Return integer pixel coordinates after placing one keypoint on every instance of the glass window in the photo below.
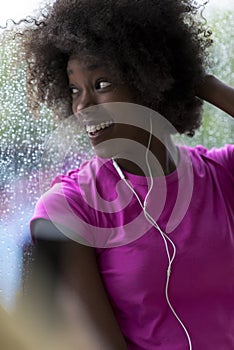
(22, 139)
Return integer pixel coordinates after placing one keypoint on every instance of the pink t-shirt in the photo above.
(194, 206)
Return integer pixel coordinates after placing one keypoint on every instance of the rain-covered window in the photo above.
(22, 140)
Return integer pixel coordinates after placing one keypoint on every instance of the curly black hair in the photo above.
(158, 47)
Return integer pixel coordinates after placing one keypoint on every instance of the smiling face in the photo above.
(94, 85)
(114, 130)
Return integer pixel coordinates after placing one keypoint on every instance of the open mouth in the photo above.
(95, 130)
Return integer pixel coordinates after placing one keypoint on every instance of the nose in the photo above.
(85, 100)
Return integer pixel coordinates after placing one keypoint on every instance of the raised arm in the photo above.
(75, 294)
(218, 94)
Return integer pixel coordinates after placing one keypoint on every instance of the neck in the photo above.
(162, 159)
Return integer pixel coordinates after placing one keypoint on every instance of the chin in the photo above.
(108, 148)
(101, 152)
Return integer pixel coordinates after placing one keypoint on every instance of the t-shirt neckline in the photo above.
(174, 176)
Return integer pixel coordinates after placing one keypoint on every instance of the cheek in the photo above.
(74, 106)
(126, 95)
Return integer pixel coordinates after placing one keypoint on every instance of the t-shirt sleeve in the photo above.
(223, 156)
(64, 206)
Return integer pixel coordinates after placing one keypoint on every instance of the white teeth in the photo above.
(94, 128)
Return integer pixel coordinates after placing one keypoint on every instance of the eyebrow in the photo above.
(90, 67)
(95, 66)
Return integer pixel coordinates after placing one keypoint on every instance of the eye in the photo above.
(102, 84)
(74, 90)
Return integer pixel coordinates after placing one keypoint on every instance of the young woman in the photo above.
(150, 253)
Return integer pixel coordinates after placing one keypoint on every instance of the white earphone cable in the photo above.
(155, 224)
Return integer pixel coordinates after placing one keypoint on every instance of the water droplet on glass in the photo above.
(22, 143)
